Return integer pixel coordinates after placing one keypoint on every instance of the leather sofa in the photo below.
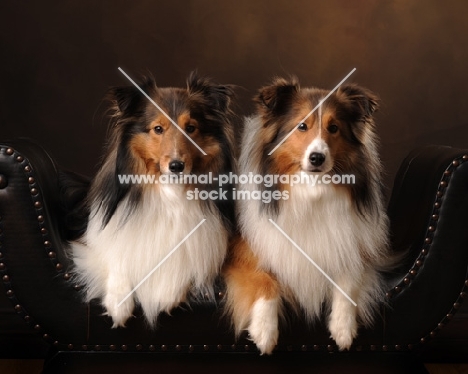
(46, 316)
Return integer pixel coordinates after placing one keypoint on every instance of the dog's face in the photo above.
(163, 147)
(155, 144)
(325, 141)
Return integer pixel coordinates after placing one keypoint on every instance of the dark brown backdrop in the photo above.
(59, 57)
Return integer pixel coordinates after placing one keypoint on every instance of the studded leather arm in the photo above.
(429, 220)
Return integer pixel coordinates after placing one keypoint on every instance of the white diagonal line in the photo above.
(163, 112)
(162, 262)
(312, 111)
(313, 262)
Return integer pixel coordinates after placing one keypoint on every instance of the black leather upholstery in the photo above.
(429, 220)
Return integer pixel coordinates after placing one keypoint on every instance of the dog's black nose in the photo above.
(316, 158)
(176, 166)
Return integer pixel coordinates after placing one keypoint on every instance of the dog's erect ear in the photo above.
(216, 95)
(363, 102)
(276, 97)
(128, 99)
(360, 104)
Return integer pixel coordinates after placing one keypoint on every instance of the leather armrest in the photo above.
(428, 211)
(33, 261)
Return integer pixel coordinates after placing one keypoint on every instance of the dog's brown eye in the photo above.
(190, 129)
(302, 127)
(332, 129)
(158, 130)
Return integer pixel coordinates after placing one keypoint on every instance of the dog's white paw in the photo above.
(119, 313)
(263, 328)
(343, 330)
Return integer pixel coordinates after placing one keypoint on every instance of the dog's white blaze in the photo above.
(320, 119)
(127, 250)
(318, 145)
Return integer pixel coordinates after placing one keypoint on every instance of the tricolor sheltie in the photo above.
(133, 227)
(341, 227)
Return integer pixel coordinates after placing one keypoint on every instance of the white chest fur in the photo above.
(129, 249)
(322, 221)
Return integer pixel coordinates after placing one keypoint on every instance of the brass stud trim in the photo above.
(9, 151)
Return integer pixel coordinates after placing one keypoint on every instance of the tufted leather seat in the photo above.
(428, 210)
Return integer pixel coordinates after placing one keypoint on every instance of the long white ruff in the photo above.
(113, 260)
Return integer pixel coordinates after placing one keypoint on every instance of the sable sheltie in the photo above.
(133, 227)
(341, 227)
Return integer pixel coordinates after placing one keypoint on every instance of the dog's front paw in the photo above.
(119, 313)
(343, 332)
(263, 328)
